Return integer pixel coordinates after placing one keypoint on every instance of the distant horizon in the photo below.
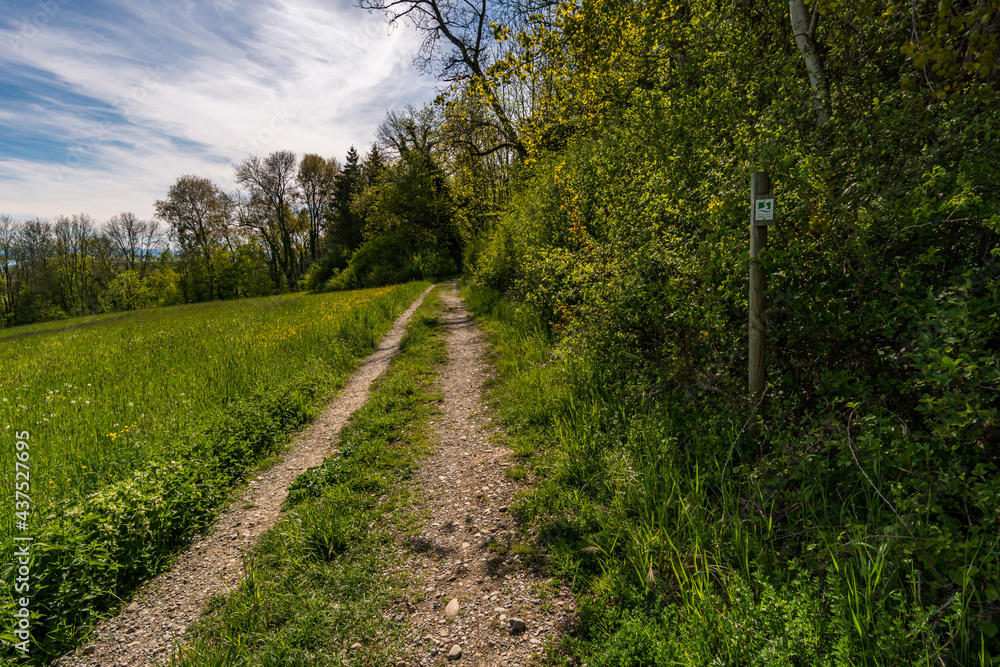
(104, 104)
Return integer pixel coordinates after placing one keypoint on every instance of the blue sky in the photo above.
(103, 104)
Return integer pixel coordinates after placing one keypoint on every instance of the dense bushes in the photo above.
(410, 228)
(682, 552)
(392, 259)
(876, 465)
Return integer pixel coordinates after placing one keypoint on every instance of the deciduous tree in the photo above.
(317, 181)
(198, 213)
(271, 184)
(134, 242)
(459, 46)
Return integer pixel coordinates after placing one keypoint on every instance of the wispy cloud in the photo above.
(103, 104)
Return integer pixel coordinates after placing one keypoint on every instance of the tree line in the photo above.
(202, 244)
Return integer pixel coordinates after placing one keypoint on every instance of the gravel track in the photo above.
(463, 551)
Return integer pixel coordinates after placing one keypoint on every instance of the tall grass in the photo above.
(676, 562)
(100, 397)
(141, 423)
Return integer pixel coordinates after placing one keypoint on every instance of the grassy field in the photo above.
(139, 425)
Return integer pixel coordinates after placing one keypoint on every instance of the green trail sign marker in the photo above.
(763, 211)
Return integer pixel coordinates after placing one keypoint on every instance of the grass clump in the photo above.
(320, 580)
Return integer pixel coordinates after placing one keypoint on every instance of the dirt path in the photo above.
(147, 632)
(463, 550)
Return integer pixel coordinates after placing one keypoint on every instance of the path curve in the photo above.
(148, 631)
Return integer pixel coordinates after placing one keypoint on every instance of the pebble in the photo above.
(355, 646)
(452, 609)
(516, 624)
(455, 653)
(88, 650)
(132, 607)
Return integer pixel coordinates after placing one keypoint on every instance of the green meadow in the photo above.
(141, 423)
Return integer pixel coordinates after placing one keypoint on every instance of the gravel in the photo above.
(466, 495)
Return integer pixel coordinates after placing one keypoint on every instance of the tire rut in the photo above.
(465, 550)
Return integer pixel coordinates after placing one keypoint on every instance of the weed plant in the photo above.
(681, 562)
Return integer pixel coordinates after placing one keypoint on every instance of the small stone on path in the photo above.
(455, 653)
(516, 624)
(452, 609)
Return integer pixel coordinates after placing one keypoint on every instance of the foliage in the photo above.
(317, 180)
(953, 48)
(126, 292)
(880, 418)
(347, 224)
(411, 197)
(411, 232)
(272, 192)
(673, 560)
(875, 471)
(216, 245)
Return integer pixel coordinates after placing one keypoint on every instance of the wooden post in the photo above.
(759, 186)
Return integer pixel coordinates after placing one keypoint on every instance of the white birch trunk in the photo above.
(804, 29)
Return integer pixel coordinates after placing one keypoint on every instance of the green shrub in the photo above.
(685, 548)
(126, 292)
(392, 259)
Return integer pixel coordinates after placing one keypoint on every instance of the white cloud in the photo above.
(201, 87)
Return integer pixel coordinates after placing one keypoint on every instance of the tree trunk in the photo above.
(804, 30)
